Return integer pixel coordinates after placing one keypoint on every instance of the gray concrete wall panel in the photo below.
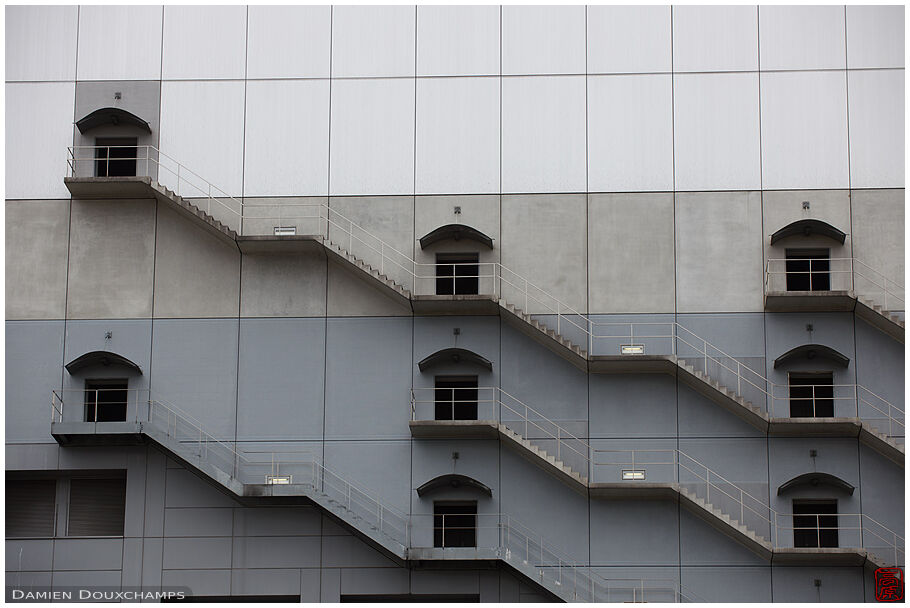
(36, 267)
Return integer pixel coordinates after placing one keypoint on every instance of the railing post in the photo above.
(177, 187)
(96, 406)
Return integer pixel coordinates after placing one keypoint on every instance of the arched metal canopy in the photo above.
(454, 355)
(455, 232)
(812, 351)
(808, 228)
(100, 357)
(111, 116)
(816, 479)
(453, 480)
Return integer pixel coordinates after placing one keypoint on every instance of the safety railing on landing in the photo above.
(834, 274)
(490, 278)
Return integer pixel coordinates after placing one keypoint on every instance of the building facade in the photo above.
(482, 303)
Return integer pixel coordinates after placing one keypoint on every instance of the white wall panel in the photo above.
(629, 39)
(715, 38)
(543, 134)
(202, 128)
(41, 42)
(373, 41)
(39, 127)
(876, 128)
(372, 137)
(543, 40)
(287, 138)
(717, 132)
(457, 135)
(630, 133)
(457, 40)
(802, 37)
(875, 36)
(204, 42)
(804, 130)
(120, 42)
(289, 41)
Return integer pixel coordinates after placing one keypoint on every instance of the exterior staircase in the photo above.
(737, 513)
(384, 267)
(280, 480)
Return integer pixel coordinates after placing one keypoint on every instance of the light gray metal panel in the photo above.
(633, 39)
(729, 583)
(27, 582)
(542, 379)
(41, 42)
(372, 402)
(38, 130)
(458, 40)
(196, 273)
(204, 42)
(715, 38)
(640, 532)
(194, 367)
(879, 364)
(281, 379)
(131, 571)
(289, 41)
(191, 521)
(34, 371)
(876, 35)
(276, 552)
(379, 468)
(199, 582)
(135, 508)
(277, 521)
(187, 553)
(155, 484)
(434, 582)
(543, 39)
(388, 31)
(881, 482)
(88, 554)
(802, 37)
(330, 585)
(378, 581)
(87, 579)
(29, 554)
(152, 552)
(185, 489)
(134, 30)
(32, 456)
(534, 498)
(36, 258)
(632, 405)
(350, 552)
(310, 586)
(699, 416)
(814, 584)
(878, 231)
(265, 582)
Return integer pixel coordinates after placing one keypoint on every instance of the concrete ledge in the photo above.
(481, 304)
(835, 556)
(635, 490)
(304, 243)
(621, 364)
(816, 301)
(97, 433)
(816, 427)
(454, 428)
(109, 187)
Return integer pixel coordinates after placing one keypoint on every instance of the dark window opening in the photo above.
(105, 400)
(812, 395)
(456, 273)
(30, 508)
(456, 397)
(808, 270)
(97, 507)
(815, 523)
(115, 156)
(455, 524)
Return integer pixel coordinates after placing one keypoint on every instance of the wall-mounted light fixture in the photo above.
(633, 474)
(285, 230)
(278, 480)
(806, 205)
(632, 349)
(118, 95)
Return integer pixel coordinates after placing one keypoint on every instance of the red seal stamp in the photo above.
(889, 585)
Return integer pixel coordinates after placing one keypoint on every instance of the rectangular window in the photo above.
(812, 395)
(105, 400)
(97, 507)
(115, 156)
(815, 523)
(456, 273)
(808, 270)
(456, 397)
(30, 508)
(455, 524)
